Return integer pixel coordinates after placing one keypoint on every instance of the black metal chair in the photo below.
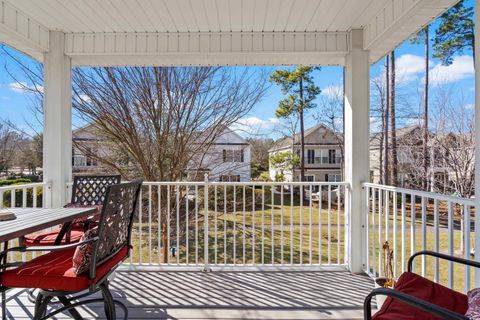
(87, 191)
(411, 302)
(53, 272)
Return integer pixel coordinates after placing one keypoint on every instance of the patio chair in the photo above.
(74, 268)
(416, 297)
(87, 191)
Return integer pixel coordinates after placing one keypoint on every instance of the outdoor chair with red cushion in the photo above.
(77, 267)
(87, 192)
(415, 297)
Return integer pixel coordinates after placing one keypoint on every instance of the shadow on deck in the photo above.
(227, 295)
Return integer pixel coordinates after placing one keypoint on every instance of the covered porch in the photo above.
(321, 265)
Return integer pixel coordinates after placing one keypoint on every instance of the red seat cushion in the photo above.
(54, 271)
(47, 238)
(417, 286)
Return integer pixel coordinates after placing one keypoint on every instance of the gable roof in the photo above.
(287, 141)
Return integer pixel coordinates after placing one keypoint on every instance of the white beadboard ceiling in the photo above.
(200, 15)
(213, 32)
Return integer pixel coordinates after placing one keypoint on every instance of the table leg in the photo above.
(4, 295)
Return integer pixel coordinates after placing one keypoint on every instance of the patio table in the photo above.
(31, 220)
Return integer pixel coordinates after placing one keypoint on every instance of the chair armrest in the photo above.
(411, 301)
(467, 262)
(47, 248)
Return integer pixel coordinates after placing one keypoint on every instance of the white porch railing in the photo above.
(226, 224)
(30, 195)
(414, 220)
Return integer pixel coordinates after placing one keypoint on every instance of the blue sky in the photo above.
(15, 105)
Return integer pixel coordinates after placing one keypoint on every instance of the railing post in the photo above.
(206, 267)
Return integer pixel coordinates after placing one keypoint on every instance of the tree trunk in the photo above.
(302, 135)
(394, 160)
(425, 113)
(385, 119)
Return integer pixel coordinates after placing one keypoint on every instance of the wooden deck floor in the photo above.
(227, 295)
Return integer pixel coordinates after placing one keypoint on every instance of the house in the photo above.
(323, 155)
(227, 159)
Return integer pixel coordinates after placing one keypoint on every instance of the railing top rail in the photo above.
(252, 183)
(21, 186)
(426, 194)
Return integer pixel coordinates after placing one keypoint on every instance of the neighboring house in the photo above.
(86, 149)
(228, 158)
(323, 155)
(410, 159)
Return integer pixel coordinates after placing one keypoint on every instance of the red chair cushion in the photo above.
(54, 271)
(417, 286)
(48, 238)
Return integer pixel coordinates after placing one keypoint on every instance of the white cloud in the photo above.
(255, 126)
(332, 91)
(84, 98)
(22, 87)
(461, 68)
(408, 67)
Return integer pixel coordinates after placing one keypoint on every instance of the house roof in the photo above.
(287, 141)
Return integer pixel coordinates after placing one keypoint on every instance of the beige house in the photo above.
(323, 155)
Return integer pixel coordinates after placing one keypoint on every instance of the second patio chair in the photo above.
(87, 191)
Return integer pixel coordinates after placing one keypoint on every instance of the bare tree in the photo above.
(330, 113)
(8, 147)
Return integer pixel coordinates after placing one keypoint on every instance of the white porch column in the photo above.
(57, 134)
(477, 143)
(357, 125)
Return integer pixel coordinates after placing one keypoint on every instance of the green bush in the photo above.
(10, 182)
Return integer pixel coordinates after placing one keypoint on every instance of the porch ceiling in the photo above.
(186, 32)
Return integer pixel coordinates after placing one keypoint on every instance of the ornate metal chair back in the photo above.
(116, 220)
(91, 190)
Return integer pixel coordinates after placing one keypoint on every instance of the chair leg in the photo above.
(41, 305)
(73, 312)
(109, 302)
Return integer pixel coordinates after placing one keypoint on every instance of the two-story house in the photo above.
(323, 155)
(227, 159)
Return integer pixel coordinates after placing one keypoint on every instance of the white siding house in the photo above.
(227, 159)
(323, 155)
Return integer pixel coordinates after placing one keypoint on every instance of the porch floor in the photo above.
(226, 295)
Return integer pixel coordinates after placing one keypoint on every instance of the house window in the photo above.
(331, 156)
(309, 178)
(333, 177)
(310, 156)
(230, 178)
(233, 155)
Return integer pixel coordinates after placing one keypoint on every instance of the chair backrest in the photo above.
(115, 224)
(91, 190)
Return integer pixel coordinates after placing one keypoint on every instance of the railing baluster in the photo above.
(225, 223)
(34, 197)
(310, 227)
(281, 224)
(387, 215)
(395, 235)
(234, 225)
(159, 218)
(424, 234)
(215, 217)
(436, 239)
(466, 245)
(292, 227)
(380, 243)
(24, 197)
(140, 227)
(413, 222)
(450, 243)
(374, 229)
(177, 223)
(168, 225)
(244, 226)
(272, 221)
(329, 221)
(338, 224)
(320, 196)
(187, 214)
(367, 228)
(150, 224)
(404, 249)
(263, 224)
(253, 225)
